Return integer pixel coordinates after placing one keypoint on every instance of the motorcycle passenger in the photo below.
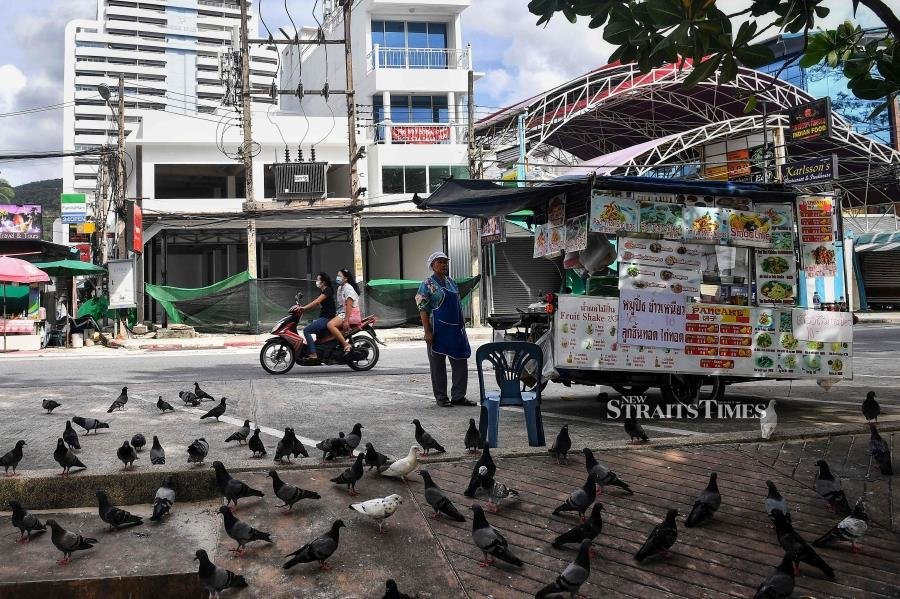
(347, 304)
(327, 311)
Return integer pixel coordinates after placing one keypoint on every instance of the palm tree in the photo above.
(7, 192)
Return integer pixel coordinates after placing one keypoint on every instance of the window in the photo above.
(415, 179)
(392, 179)
(418, 179)
(436, 176)
(410, 44)
(413, 109)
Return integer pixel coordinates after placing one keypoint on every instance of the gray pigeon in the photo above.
(489, 540)
(661, 538)
(288, 493)
(285, 447)
(68, 542)
(127, 455)
(201, 394)
(233, 489)
(65, 458)
(586, 531)
(472, 439)
(797, 547)
(351, 475)
(298, 449)
(157, 453)
(571, 579)
(438, 500)
(851, 528)
(189, 398)
(562, 445)
(580, 499)
(26, 522)
(216, 578)
(50, 405)
(477, 481)
(216, 411)
(12, 458)
(334, 447)
(374, 459)
(635, 431)
(775, 502)
(605, 476)
(779, 584)
(241, 532)
(355, 436)
(241, 434)
(880, 451)
(706, 505)
(830, 489)
(425, 440)
(318, 550)
(256, 445)
(70, 436)
(498, 493)
(89, 424)
(164, 499)
(116, 517)
(119, 402)
(138, 441)
(197, 451)
(164, 405)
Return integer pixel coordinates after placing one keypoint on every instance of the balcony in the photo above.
(419, 58)
(419, 133)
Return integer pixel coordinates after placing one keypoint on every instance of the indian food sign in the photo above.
(810, 121)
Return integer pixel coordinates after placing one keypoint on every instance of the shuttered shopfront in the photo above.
(518, 279)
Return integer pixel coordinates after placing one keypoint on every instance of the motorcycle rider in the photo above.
(327, 311)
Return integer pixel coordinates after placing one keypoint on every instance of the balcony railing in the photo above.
(419, 58)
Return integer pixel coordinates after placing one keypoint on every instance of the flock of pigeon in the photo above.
(489, 540)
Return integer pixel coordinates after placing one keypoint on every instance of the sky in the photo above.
(518, 60)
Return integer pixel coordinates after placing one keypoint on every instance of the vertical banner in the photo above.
(576, 233)
(817, 236)
(493, 230)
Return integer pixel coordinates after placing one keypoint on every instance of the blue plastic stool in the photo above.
(510, 360)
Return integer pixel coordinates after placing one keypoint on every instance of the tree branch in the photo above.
(884, 12)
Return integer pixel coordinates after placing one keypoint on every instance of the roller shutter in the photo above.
(519, 278)
(881, 276)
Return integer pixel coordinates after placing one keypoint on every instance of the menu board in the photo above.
(817, 236)
(753, 229)
(611, 214)
(651, 319)
(635, 276)
(718, 339)
(823, 325)
(576, 233)
(782, 219)
(705, 225)
(663, 253)
(662, 219)
(541, 240)
(776, 277)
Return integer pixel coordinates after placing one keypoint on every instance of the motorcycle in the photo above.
(279, 354)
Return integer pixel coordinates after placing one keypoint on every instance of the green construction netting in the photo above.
(98, 307)
(393, 301)
(168, 296)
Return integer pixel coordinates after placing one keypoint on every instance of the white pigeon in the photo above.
(768, 421)
(403, 466)
(379, 509)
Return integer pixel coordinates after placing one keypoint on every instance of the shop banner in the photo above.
(776, 277)
(73, 208)
(420, 133)
(809, 121)
(823, 326)
(610, 214)
(651, 319)
(662, 219)
(718, 339)
(662, 253)
(576, 233)
(749, 229)
(817, 236)
(638, 277)
(816, 170)
(541, 240)
(705, 225)
(20, 221)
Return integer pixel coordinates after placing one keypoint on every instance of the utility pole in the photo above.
(121, 249)
(474, 229)
(353, 153)
(246, 147)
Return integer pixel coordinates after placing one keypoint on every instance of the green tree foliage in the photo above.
(7, 192)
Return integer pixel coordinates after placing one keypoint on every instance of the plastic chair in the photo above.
(510, 360)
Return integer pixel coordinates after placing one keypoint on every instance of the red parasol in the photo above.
(13, 270)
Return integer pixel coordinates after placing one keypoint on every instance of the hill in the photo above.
(46, 193)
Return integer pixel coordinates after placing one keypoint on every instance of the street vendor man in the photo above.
(440, 308)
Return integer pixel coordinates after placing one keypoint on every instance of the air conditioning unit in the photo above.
(300, 180)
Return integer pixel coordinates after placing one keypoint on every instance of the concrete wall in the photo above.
(416, 249)
(384, 258)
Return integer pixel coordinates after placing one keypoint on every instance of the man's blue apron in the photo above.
(448, 327)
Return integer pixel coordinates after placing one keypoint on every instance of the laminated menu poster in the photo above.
(718, 339)
(541, 240)
(662, 253)
(638, 277)
(610, 214)
(749, 229)
(576, 233)
(817, 253)
(557, 243)
(705, 225)
(651, 319)
(776, 277)
(662, 219)
(556, 211)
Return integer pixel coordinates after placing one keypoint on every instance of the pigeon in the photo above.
(355, 436)
(830, 489)
(779, 584)
(438, 500)
(318, 550)
(351, 476)
(334, 447)
(12, 458)
(870, 407)
(119, 403)
(768, 421)
(472, 440)
(374, 459)
(89, 424)
(138, 441)
(216, 578)
(298, 448)
(661, 538)
(797, 548)
(241, 434)
(562, 445)
(241, 532)
(284, 448)
(164, 500)
(164, 405)
(288, 493)
(498, 493)
(50, 405)
(880, 451)
(574, 575)
(189, 398)
(489, 540)
(197, 451)
(65, 458)
(157, 453)
(378, 509)
(68, 542)
(605, 476)
(400, 468)
(392, 592)
(580, 499)
(26, 523)
(775, 502)
(216, 411)
(70, 436)
(201, 394)
(116, 517)
(635, 431)
(851, 528)
(233, 489)
(477, 481)
(127, 455)
(706, 505)
(586, 531)
(425, 440)
(256, 445)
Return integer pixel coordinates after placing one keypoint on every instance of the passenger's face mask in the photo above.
(319, 284)
(339, 279)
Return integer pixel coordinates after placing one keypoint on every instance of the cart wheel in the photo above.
(630, 389)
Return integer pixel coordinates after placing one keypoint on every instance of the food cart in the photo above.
(704, 288)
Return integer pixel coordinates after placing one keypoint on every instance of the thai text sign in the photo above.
(422, 134)
(651, 319)
(823, 326)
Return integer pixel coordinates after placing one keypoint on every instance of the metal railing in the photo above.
(419, 58)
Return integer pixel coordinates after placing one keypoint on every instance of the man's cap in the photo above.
(436, 256)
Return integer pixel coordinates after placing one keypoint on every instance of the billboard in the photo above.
(809, 121)
(20, 221)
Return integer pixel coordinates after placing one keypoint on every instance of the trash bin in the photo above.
(77, 340)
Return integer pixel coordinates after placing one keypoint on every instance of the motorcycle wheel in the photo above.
(276, 357)
(364, 354)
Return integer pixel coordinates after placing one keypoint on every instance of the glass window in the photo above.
(436, 176)
(378, 33)
(394, 34)
(417, 35)
(392, 179)
(421, 111)
(437, 35)
(415, 179)
(459, 172)
(440, 111)
(400, 112)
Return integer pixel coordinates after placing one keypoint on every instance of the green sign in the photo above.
(73, 208)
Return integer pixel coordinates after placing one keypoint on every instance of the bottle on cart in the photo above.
(817, 301)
